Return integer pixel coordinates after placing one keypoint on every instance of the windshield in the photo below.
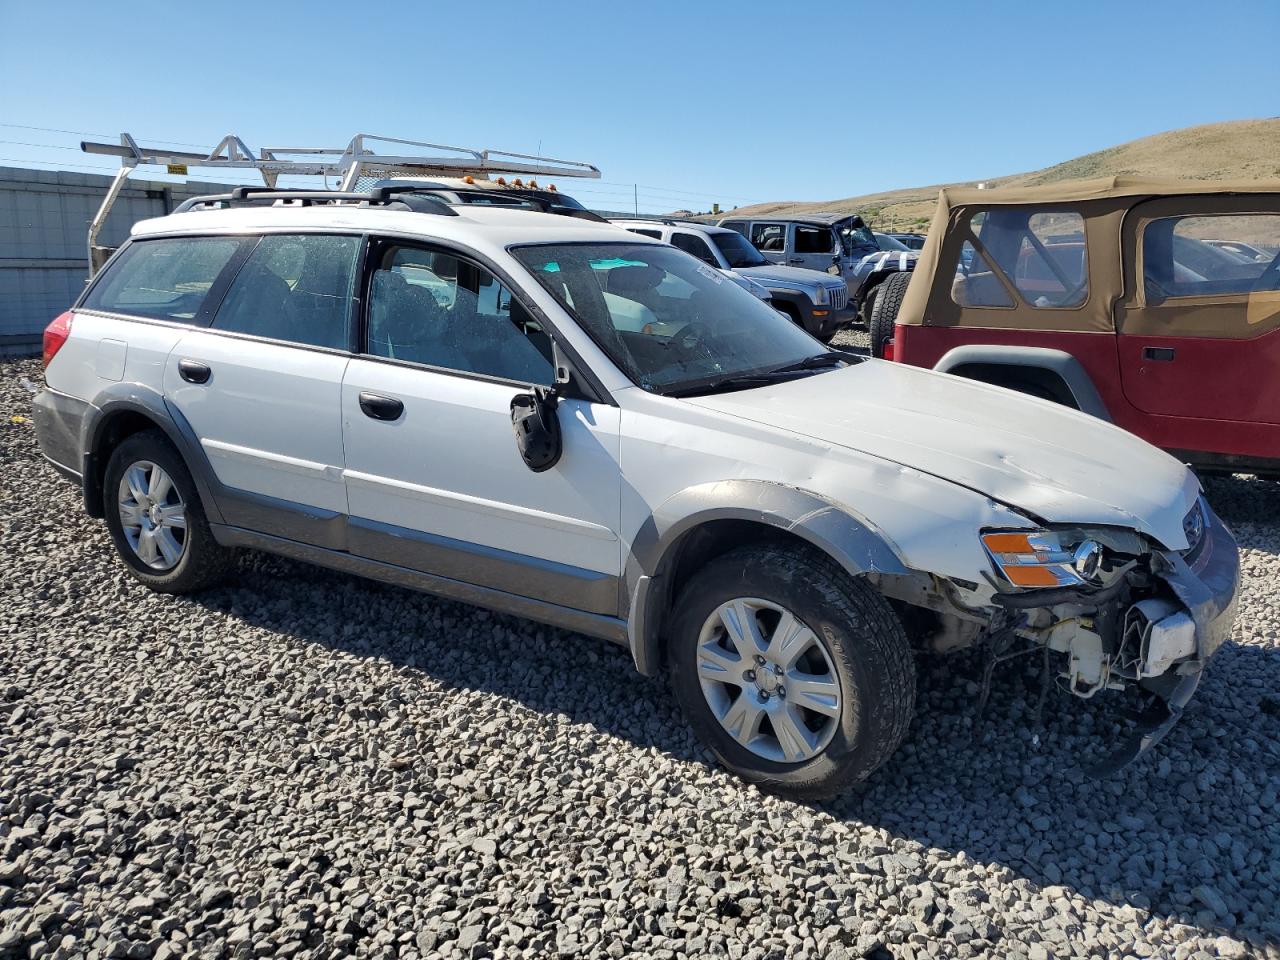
(887, 242)
(737, 251)
(669, 321)
(854, 237)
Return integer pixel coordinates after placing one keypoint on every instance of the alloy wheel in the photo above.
(152, 515)
(769, 680)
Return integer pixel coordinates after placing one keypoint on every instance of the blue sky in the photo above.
(696, 102)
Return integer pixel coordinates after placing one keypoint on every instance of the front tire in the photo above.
(156, 520)
(799, 677)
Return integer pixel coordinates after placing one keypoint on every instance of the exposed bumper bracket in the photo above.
(1153, 726)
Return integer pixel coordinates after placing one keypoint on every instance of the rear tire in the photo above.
(852, 689)
(156, 520)
(884, 312)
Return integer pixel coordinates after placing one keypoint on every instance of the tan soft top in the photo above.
(1104, 205)
(1101, 188)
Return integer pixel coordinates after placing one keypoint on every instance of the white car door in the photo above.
(262, 386)
(434, 479)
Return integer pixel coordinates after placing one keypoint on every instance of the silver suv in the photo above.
(816, 300)
(840, 244)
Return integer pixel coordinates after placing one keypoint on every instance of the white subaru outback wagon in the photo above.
(456, 399)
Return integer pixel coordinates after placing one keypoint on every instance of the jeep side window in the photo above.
(165, 279)
(1041, 254)
(694, 245)
(813, 240)
(769, 237)
(1178, 259)
(434, 308)
(295, 288)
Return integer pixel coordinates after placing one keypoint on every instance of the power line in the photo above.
(84, 133)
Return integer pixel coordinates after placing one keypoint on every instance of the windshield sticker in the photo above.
(711, 273)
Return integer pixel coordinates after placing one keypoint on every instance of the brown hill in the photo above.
(1236, 150)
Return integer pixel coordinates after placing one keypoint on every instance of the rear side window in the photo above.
(1211, 255)
(769, 237)
(294, 288)
(165, 279)
(1041, 254)
(655, 234)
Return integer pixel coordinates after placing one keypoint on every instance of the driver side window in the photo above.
(440, 310)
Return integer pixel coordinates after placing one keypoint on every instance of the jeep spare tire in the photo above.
(884, 313)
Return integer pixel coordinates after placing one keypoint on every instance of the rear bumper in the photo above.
(59, 420)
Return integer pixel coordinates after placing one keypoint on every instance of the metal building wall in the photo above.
(44, 221)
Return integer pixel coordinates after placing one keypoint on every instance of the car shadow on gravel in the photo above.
(1187, 833)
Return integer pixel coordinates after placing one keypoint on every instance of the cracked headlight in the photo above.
(1039, 558)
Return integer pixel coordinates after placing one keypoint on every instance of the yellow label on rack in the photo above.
(179, 168)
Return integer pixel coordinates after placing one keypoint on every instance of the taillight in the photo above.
(55, 335)
(888, 350)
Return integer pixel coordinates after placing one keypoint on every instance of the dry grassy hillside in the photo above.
(1238, 150)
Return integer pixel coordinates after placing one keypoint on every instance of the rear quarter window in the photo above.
(163, 279)
(1039, 253)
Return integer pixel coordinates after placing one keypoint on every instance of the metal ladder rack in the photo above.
(358, 159)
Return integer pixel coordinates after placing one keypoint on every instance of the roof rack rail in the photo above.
(380, 196)
(349, 164)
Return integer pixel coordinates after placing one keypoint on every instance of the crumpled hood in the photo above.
(789, 276)
(1038, 457)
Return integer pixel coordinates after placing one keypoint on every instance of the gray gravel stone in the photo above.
(303, 764)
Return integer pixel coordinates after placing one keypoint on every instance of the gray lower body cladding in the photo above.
(59, 420)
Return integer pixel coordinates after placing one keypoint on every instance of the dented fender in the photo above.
(853, 542)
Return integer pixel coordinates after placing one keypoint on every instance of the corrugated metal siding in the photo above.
(44, 223)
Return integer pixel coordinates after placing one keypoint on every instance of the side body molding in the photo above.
(851, 541)
(1059, 362)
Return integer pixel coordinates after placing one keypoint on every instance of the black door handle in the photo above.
(379, 407)
(193, 371)
(1157, 353)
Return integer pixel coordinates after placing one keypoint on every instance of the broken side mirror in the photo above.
(536, 423)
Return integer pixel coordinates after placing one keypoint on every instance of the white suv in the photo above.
(336, 378)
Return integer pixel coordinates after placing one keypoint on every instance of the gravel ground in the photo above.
(306, 764)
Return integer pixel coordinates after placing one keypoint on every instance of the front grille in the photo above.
(839, 297)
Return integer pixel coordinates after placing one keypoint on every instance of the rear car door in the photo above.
(435, 481)
(261, 386)
(1199, 325)
(770, 239)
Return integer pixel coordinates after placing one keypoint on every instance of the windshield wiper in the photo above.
(723, 385)
(819, 360)
(745, 380)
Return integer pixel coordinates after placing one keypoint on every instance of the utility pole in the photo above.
(635, 196)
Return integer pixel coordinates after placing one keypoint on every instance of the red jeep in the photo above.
(1153, 304)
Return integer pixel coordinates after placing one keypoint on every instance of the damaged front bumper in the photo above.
(1206, 584)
